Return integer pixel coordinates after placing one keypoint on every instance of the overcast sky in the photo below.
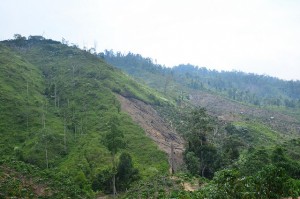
(259, 36)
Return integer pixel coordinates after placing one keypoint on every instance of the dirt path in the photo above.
(155, 127)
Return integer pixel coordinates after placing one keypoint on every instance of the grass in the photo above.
(260, 134)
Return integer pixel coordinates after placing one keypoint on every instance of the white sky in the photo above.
(260, 36)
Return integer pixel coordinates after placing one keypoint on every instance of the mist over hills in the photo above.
(240, 86)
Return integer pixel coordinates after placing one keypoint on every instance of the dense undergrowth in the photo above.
(56, 102)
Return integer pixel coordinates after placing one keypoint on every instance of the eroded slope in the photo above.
(155, 127)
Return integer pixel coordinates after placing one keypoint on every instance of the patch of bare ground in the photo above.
(227, 111)
(193, 185)
(292, 198)
(187, 186)
(102, 197)
(39, 189)
(156, 128)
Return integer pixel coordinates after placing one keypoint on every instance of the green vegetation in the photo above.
(22, 180)
(242, 163)
(113, 140)
(243, 87)
(201, 156)
(259, 101)
(126, 173)
(56, 104)
(254, 133)
(239, 153)
(63, 133)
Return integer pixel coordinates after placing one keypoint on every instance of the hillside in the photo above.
(56, 103)
(241, 130)
(244, 87)
(229, 96)
(71, 124)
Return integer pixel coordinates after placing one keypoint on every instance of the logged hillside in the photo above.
(255, 89)
(229, 96)
(56, 104)
(71, 125)
(246, 143)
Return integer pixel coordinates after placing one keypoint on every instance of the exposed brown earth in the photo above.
(155, 128)
(39, 190)
(187, 185)
(227, 110)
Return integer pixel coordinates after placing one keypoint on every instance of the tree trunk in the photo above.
(43, 121)
(27, 111)
(55, 95)
(114, 176)
(203, 170)
(114, 186)
(65, 136)
(172, 159)
(47, 163)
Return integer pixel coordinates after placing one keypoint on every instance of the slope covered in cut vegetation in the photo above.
(230, 96)
(243, 142)
(244, 87)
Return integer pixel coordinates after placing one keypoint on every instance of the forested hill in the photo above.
(244, 87)
(58, 105)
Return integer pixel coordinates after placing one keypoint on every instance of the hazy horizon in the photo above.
(260, 36)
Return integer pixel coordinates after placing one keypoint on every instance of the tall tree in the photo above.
(200, 125)
(114, 141)
(126, 171)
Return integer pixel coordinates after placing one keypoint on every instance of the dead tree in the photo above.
(65, 135)
(172, 159)
(27, 106)
(44, 139)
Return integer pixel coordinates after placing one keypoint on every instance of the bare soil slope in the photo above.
(228, 111)
(155, 127)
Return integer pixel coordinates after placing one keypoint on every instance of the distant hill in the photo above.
(244, 87)
(241, 130)
(230, 96)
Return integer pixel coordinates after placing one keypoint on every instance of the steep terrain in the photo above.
(63, 108)
(56, 102)
(246, 143)
(156, 128)
(244, 99)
